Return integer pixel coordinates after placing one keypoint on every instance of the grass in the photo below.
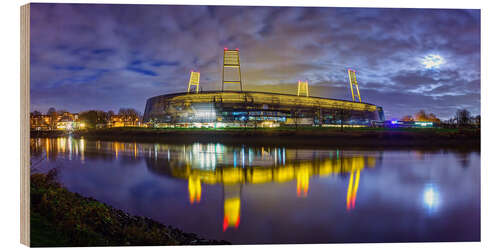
(301, 136)
(276, 130)
(46, 234)
(300, 131)
(291, 129)
(65, 219)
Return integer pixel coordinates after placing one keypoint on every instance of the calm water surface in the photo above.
(268, 194)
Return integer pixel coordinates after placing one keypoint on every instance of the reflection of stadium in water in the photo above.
(229, 166)
(275, 194)
(209, 164)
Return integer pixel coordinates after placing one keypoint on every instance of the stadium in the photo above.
(218, 109)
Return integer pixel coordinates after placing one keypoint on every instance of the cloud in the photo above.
(142, 71)
(139, 51)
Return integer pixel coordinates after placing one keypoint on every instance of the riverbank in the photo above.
(62, 218)
(349, 137)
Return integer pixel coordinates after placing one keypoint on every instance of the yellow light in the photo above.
(353, 81)
(194, 80)
(265, 98)
(232, 175)
(231, 61)
(303, 180)
(352, 190)
(194, 188)
(326, 168)
(259, 175)
(231, 213)
(284, 174)
(303, 88)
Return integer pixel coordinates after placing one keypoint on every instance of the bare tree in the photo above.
(432, 118)
(109, 115)
(407, 118)
(129, 115)
(52, 113)
(477, 121)
(463, 117)
(92, 118)
(421, 116)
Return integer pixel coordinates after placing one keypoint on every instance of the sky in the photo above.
(106, 57)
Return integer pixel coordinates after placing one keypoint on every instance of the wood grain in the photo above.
(25, 133)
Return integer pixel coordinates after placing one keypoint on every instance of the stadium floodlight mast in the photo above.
(231, 61)
(353, 81)
(303, 88)
(194, 80)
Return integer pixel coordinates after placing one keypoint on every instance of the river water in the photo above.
(267, 194)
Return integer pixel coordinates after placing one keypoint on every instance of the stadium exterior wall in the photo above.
(255, 109)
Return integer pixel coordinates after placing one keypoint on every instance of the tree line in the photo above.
(463, 118)
(92, 118)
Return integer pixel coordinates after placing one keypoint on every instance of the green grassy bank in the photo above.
(369, 137)
(62, 218)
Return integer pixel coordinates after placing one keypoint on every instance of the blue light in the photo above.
(284, 156)
(279, 155)
(234, 158)
(243, 158)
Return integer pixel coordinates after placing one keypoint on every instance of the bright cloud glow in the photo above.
(432, 61)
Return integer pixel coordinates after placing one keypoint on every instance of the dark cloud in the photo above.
(87, 56)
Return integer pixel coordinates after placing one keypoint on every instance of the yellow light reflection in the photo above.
(303, 180)
(284, 174)
(352, 190)
(194, 187)
(260, 175)
(232, 175)
(82, 149)
(115, 146)
(231, 213)
(47, 148)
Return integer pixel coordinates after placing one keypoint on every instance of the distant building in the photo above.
(40, 122)
(116, 121)
(70, 121)
(62, 121)
(67, 121)
(403, 124)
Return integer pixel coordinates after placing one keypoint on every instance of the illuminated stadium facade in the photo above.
(255, 109)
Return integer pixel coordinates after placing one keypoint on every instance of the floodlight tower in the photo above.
(303, 88)
(352, 80)
(231, 63)
(194, 80)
